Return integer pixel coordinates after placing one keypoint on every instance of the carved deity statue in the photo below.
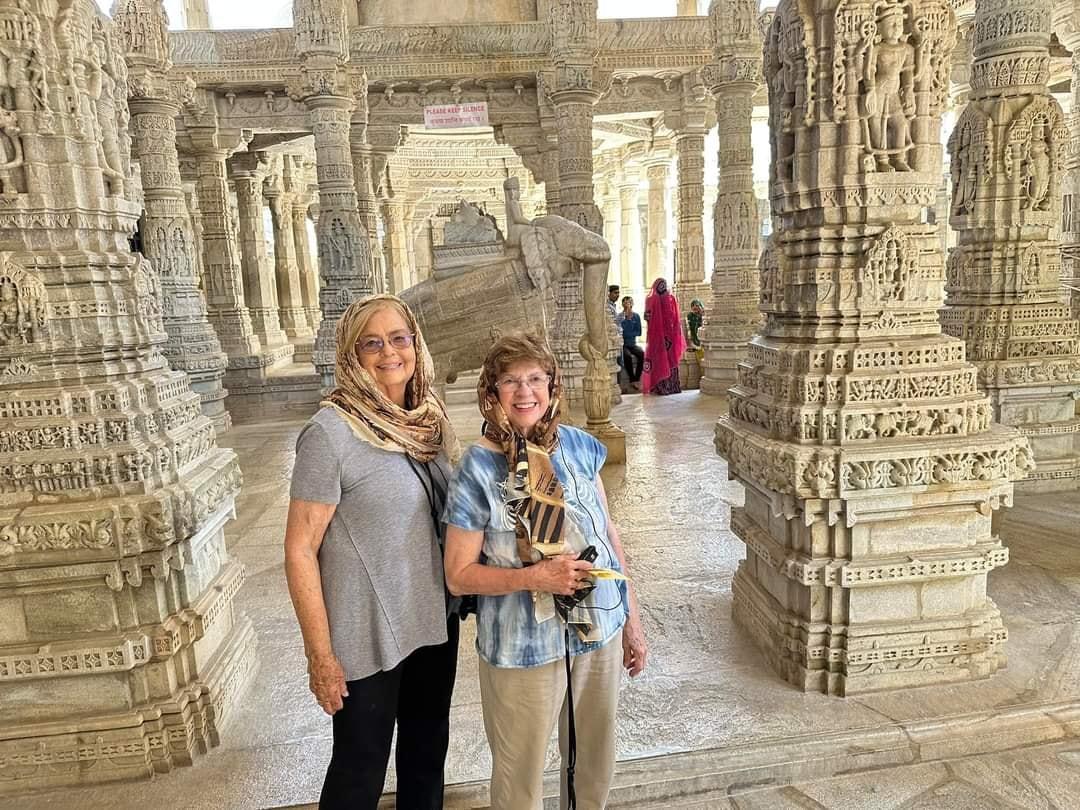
(889, 92)
(102, 87)
(19, 315)
(11, 152)
(1036, 170)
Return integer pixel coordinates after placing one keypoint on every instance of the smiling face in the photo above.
(391, 368)
(522, 404)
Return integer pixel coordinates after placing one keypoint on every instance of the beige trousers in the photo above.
(520, 709)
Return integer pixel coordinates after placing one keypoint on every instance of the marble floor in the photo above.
(708, 725)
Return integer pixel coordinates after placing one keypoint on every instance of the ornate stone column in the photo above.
(344, 252)
(397, 245)
(168, 239)
(631, 271)
(222, 276)
(612, 226)
(277, 190)
(122, 652)
(367, 206)
(309, 273)
(687, 8)
(734, 315)
(869, 457)
(1004, 276)
(570, 90)
(196, 14)
(1070, 221)
(248, 171)
(656, 262)
(692, 126)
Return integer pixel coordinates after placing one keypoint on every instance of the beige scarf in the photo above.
(422, 428)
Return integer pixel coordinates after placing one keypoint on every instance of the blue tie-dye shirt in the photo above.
(507, 633)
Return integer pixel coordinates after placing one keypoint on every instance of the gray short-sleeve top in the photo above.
(380, 563)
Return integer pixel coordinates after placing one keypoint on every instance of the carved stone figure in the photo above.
(889, 87)
(470, 225)
(11, 153)
(1036, 169)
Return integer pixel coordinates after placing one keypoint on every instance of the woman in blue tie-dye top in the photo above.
(523, 504)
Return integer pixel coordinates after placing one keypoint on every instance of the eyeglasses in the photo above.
(374, 345)
(537, 382)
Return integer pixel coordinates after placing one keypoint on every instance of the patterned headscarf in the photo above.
(533, 491)
(422, 428)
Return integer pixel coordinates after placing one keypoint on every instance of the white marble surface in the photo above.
(732, 725)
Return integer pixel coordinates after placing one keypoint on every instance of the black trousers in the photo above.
(416, 694)
(633, 361)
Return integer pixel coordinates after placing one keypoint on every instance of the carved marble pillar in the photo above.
(122, 653)
(1004, 276)
(309, 273)
(168, 238)
(687, 8)
(223, 281)
(367, 205)
(612, 227)
(572, 96)
(290, 295)
(734, 315)
(690, 255)
(248, 171)
(344, 251)
(869, 457)
(1070, 220)
(656, 262)
(397, 245)
(631, 271)
(196, 15)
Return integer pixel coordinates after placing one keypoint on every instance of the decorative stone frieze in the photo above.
(121, 640)
(734, 315)
(167, 235)
(1008, 163)
(325, 87)
(870, 462)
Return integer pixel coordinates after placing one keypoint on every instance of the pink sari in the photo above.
(665, 344)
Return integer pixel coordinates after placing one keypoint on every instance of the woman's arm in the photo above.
(635, 651)
(465, 574)
(304, 532)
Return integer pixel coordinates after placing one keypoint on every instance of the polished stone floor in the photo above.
(708, 725)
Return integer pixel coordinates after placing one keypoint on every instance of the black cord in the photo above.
(571, 748)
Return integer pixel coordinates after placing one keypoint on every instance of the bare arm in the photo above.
(465, 574)
(304, 533)
(635, 650)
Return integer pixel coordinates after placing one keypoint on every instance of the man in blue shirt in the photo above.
(633, 355)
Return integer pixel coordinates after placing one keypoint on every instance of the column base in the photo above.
(257, 366)
(1046, 416)
(613, 438)
(689, 371)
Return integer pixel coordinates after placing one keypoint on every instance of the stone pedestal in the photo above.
(122, 653)
(734, 313)
(870, 461)
(1004, 298)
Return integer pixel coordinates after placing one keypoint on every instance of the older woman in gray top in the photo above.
(364, 565)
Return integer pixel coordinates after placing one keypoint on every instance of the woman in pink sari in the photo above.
(665, 344)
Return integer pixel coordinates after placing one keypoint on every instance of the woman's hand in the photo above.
(326, 678)
(560, 575)
(635, 651)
